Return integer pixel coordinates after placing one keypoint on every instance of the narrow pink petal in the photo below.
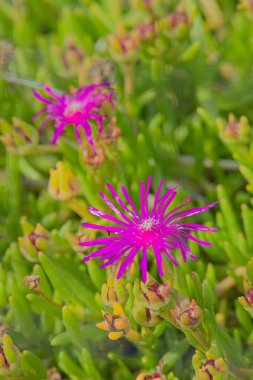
(142, 199)
(162, 209)
(202, 242)
(144, 264)
(59, 130)
(101, 214)
(88, 131)
(41, 98)
(157, 195)
(101, 241)
(102, 228)
(78, 136)
(194, 227)
(98, 119)
(99, 252)
(158, 257)
(120, 202)
(52, 93)
(114, 258)
(172, 259)
(129, 200)
(114, 208)
(37, 115)
(169, 215)
(146, 208)
(184, 214)
(130, 257)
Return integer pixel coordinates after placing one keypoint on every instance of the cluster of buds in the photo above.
(113, 291)
(9, 357)
(187, 314)
(209, 368)
(19, 137)
(63, 184)
(234, 130)
(117, 324)
(34, 240)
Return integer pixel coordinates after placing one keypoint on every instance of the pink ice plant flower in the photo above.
(138, 230)
(77, 109)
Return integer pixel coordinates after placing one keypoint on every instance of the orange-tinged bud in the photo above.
(35, 239)
(153, 295)
(188, 315)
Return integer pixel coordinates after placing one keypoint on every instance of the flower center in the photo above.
(148, 232)
(147, 224)
(73, 108)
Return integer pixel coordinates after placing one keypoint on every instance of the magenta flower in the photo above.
(137, 231)
(77, 109)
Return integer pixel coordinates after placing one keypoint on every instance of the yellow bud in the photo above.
(63, 184)
(102, 325)
(122, 324)
(115, 335)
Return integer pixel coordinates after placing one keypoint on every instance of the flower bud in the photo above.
(246, 5)
(63, 184)
(145, 31)
(189, 315)
(247, 301)
(76, 239)
(113, 291)
(19, 136)
(34, 240)
(110, 133)
(117, 324)
(32, 282)
(71, 58)
(144, 316)
(94, 158)
(249, 296)
(234, 130)
(3, 330)
(124, 46)
(53, 374)
(155, 376)
(9, 357)
(153, 295)
(177, 18)
(212, 370)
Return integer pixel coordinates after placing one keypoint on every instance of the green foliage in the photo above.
(184, 111)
